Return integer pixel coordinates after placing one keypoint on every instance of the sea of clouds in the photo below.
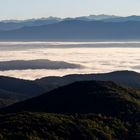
(31, 60)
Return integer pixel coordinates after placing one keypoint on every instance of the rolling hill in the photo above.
(8, 98)
(84, 97)
(82, 110)
(126, 78)
(93, 110)
(25, 87)
(13, 90)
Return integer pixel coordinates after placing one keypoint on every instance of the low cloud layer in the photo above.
(136, 67)
(36, 64)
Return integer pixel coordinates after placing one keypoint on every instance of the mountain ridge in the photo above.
(81, 110)
(76, 30)
(18, 89)
(83, 97)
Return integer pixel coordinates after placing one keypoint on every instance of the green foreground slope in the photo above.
(94, 110)
(44, 126)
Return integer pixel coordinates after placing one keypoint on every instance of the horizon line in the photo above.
(35, 18)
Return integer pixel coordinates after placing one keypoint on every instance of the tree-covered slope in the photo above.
(84, 97)
(8, 98)
(44, 126)
(13, 90)
(88, 110)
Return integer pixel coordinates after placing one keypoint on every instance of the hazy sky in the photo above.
(23, 9)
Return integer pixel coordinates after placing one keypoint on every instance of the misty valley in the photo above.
(69, 90)
(67, 76)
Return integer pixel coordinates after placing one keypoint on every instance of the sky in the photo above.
(26, 9)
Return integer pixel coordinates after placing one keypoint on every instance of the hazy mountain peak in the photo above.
(102, 17)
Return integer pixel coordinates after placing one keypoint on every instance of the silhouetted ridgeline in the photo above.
(84, 97)
(93, 110)
(126, 78)
(13, 90)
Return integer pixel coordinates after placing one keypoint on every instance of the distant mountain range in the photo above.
(76, 30)
(86, 28)
(16, 24)
(14, 90)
